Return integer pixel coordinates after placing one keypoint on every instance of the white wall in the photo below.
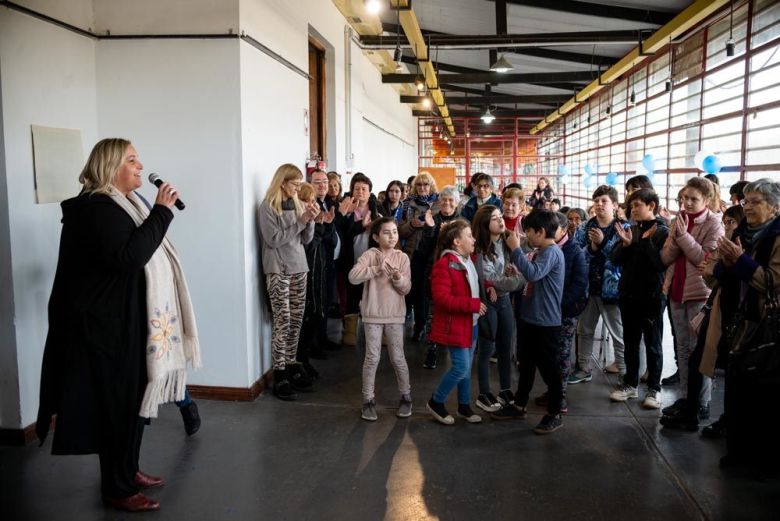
(272, 133)
(48, 78)
(178, 101)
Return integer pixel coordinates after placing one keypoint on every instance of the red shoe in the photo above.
(144, 480)
(136, 503)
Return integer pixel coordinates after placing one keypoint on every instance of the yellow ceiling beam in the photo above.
(681, 23)
(364, 23)
(420, 49)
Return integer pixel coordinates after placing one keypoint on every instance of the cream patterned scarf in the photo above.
(173, 335)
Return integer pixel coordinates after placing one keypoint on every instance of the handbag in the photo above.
(757, 357)
(704, 313)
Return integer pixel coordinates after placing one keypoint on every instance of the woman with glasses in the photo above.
(482, 193)
(416, 221)
(743, 261)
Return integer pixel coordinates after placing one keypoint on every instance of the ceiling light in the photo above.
(501, 65)
(397, 54)
(419, 82)
(373, 6)
(488, 116)
(730, 45)
(426, 102)
(632, 97)
(609, 109)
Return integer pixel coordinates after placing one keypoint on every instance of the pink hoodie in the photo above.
(383, 298)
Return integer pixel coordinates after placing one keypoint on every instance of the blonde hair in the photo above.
(274, 195)
(513, 193)
(306, 194)
(106, 157)
(424, 176)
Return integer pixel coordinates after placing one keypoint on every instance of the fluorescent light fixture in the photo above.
(501, 65)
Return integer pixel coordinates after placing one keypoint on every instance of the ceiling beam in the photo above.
(497, 77)
(600, 10)
(688, 18)
(492, 41)
(503, 98)
(528, 113)
(547, 54)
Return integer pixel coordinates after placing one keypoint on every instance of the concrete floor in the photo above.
(316, 459)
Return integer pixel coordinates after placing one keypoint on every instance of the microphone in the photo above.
(156, 180)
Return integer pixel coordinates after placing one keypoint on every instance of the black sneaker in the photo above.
(488, 403)
(439, 412)
(191, 418)
(311, 371)
(299, 379)
(283, 389)
(506, 397)
(671, 380)
(549, 424)
(676, 406)
(704, 412)
(431, 357)
(465, 412)
(716, 429)
(681, 420)
(509, 412)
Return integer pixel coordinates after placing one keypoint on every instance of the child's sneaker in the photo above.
(440, 412)
(622, 393)
(506, 397)
(488, 403)
(405, 406)
(369, 411)
(579, 376)
(465, 412)
(509, 412)
(431, 357)
(564, 406)
(651, 400)
(549, 424)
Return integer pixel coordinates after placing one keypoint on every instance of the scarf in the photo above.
(172, 334)
(511, 222)
(680, 268)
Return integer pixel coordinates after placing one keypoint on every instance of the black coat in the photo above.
(94, 365)
(643, 272)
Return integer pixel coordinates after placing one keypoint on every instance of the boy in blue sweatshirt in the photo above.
(539, 325)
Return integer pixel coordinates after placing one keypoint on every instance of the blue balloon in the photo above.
(648, 161)
(588, 181)
(711, 164)
(563, 170)
(588, 169)
(612, 178)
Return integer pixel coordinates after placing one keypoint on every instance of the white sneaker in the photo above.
(623, 393)
(651, 400)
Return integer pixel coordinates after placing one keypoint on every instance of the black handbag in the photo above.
(757, 357)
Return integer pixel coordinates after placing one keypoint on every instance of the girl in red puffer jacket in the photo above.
(456, 309)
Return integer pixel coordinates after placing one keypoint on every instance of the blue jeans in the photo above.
(459, 374)
(502, 322)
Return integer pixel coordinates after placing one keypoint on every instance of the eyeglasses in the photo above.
(752, 202)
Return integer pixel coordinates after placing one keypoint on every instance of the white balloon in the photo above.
(698, 159)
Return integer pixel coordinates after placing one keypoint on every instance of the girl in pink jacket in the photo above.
(385, 273)
(693, 235)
